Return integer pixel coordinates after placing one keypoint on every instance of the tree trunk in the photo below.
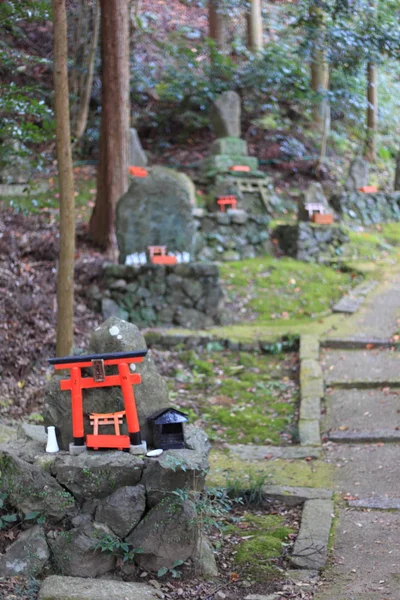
(112, 176)
(254, 26)
(65, 275)
(372, 112)
(397, 174)
(218, 26)
(319, 67)
(83, 109)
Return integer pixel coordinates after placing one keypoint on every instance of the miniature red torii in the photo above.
(125, 379)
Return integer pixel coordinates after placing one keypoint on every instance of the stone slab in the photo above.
(293, 496)
(377, 366)
(376, 503)
(311, 546)
(309, 432)
(352, 301)
(351, 343)
(77, 588)
(365, 412)
(366, 558)
(310, 408)
(364, 437)
(309, 346)
(250, 452)
(365, 470)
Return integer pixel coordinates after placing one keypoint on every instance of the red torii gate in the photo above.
(125, 379)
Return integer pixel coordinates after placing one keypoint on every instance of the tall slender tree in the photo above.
(65, 276)
(217, 23)
(254, 26)
(112, 176)
(319, 65)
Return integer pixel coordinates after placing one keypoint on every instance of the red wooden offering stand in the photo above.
(125, 379)
(226, 201)
(159, 256)
(138, 172)
(240, 168)
(368, 189)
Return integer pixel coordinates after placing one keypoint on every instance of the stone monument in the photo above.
(156, 211)
(137, 156)
(358, 174)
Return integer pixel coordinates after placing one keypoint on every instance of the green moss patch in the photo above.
(238, 397)
(264, 536)
(229, 471)
(284, 289)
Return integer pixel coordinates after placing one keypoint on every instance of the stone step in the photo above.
(376, 503)
(361, 368)
(352, 301)
(76, 588)
(362, 415)
(366, 558)
(352, 343)
(365, 470)
(364, 437)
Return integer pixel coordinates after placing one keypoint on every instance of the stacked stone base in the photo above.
(310, 242)
(94, 503)
(232, 235)
(366, 209)
(188, 295)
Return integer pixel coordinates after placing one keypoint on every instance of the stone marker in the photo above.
(77, 588)
(151, 395)
(156, 211)
(225, 115)
(137, 156)
(358, 174)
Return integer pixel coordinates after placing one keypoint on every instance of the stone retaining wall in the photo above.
(310, 242)
(232, 235)
(189, 295)
(366, 209)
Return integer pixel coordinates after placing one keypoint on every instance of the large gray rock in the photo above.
(75, 553)
(97, 475)
(30, 489)
(122, 511)
(174, 469)
(358, 174)
(26, 556)
(169, 532)
(151, 395)
(76, 588)
(225, 115)
(137, 156)
(156, 210)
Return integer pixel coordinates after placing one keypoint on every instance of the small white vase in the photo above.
(52, 445)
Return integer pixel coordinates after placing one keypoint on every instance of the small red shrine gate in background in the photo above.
(125, 379)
